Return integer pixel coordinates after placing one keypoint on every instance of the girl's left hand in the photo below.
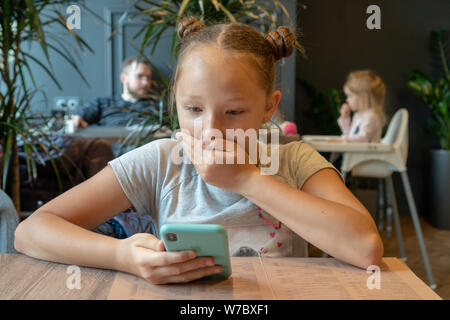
(217, 162)
(345, 110)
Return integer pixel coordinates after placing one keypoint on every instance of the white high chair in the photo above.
(376, 164)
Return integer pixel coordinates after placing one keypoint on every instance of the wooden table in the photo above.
(22, 277)
(115, 134)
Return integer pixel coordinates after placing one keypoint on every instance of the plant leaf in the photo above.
(182, 8)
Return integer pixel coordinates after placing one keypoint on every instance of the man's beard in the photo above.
(136, 94)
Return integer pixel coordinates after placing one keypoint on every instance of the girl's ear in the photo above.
(272, 105)
(172, 93)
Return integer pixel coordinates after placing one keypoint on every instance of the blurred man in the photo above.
(115, 111)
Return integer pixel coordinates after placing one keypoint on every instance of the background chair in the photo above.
(8, 223)
(376, 164)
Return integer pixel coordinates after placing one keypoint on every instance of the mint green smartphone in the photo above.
(208, 240)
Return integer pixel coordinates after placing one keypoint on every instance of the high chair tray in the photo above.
(320, 143)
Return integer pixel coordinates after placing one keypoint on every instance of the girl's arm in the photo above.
(59, 231)
(345, 124)
(324, 213)
(345, 121)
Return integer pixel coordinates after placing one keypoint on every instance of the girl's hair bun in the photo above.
(282, 42)
(188, 26)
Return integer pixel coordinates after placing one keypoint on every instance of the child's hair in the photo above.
(239, 38)
(371, 88)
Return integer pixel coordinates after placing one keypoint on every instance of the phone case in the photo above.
(208, 240)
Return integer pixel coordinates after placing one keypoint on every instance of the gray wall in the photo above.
(338, 41)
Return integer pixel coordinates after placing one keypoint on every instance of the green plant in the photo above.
(23, 23)
(436, 92)
(325, 106)
(162, 15)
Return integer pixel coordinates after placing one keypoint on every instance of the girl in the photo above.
(224, 80)
(365, 93)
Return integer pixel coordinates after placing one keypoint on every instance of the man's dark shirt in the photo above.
(116, 112)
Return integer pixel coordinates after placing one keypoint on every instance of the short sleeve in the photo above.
(138, 174)
(304, 161)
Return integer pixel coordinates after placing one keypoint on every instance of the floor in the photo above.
(437, 242)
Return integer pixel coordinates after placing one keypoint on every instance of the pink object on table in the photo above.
(289, 128)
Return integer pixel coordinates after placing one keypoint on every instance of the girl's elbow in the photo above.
(19, 235)
(23, 235)
(374, 252)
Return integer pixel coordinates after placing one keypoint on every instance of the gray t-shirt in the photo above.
(174, 192)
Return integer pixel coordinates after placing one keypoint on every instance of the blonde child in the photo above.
(224, 80)
(365, 93)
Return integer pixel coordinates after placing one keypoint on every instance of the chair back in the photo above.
(397, 133)
(381, 165)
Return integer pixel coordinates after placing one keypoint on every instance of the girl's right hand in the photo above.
(345, 110)
(144, 255)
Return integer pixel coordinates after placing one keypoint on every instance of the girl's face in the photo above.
(353, 100)
(220, 90)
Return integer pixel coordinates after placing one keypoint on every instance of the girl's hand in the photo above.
(220, 163)
(345, 110)
(144, 255)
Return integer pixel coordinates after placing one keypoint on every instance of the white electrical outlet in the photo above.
(67, 103)
(72, 103)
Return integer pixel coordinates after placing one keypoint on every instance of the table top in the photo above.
(116, 132)
(320, 143)
(253, 278)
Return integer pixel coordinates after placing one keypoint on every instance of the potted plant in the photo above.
(22, 23)
(163, 15)
(324, 108)
(436, 95)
